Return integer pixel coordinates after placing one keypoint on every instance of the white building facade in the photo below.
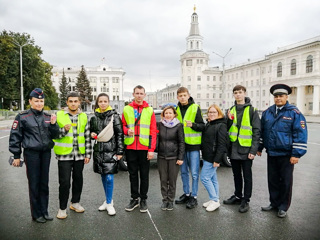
(102, 79)
(297, 65)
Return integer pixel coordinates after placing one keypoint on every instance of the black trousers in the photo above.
(65, 168)
(280, 180)
(244, 167)
(168, 172)
(37, 168)
(137, 162)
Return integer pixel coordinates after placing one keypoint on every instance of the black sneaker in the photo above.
(132, 205)
(143, 206)
(170, 206)
(182, 199)
(244, 207)
(164, 206)
(192, 202)
(232, 200)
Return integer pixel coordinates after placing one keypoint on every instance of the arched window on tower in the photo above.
(197, 45)
(293, 67)
(309, 64)
(191, 45)
(279, 70)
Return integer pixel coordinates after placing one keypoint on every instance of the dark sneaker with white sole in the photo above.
(132, 205)
(143, 205)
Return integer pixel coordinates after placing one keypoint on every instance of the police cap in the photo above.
(37, 93)
(279, 89)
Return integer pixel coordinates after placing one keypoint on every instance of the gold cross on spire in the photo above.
(194, 8)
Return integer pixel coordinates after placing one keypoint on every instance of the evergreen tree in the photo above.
(83, 88)
(64, 89)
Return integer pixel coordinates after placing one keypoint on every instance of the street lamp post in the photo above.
(223, 77)
(21, 76)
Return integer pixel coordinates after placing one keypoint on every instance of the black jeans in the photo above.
(244, 167)
(37, 167)
(280, 179)
(65, 168)
(137, 161)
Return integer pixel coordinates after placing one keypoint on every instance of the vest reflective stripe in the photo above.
(64, 145)
(244, 135)
(145, 121)
(190, 136)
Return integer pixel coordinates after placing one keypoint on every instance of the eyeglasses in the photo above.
(212, 112)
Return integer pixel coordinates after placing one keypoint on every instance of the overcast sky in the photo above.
(147, 37)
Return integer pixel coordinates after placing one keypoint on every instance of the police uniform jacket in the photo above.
(32, 130)
(285, 134)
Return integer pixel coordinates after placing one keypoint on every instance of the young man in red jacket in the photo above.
(139, 128)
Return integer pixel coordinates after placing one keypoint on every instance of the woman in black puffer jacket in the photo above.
(213, 147)
(106, 154)
(170, 154)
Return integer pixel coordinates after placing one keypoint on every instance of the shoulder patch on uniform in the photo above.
(24, 112)
(303, 124)
(15, 124)
(296, 110)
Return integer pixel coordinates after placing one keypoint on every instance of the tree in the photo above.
(64, 89)
(36, 72)
(84, 89)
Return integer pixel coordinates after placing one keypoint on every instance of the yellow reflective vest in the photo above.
(191, 136)
(145, 121)
(64, 146)
(244, 135)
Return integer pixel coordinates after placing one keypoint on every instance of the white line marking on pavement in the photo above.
(4, 136)
(314, 143)
(154, 225)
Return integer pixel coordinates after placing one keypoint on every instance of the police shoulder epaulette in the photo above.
(296, 110)
(24, 112)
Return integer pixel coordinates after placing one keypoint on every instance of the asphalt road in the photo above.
(302, 222)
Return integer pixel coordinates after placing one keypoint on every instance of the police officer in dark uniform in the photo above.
(284, 135)
(33, 130)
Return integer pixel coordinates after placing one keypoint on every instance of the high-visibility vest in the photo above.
(145, 121)
(64, 146)
(191, 136)
(244, 135)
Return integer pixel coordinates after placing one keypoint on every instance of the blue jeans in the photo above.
(191, 161)
(209, 179)
(107, 181)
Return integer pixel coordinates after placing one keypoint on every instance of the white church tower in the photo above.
(195, 73)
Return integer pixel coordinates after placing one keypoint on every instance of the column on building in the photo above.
(110, 93)
(301, 98)
(316, 93)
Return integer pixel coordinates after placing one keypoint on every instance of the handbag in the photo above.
(106, 134)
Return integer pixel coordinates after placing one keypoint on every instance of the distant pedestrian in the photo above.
(33, 130)
(108, 148)
(139, 127)
(189, 114)
(214, 148)
(244, 132)
(73, 150)
(284, 136)
(170, 154)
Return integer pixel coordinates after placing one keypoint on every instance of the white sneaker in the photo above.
(62, 214)
(213, 206)
(110, 209)
(76, 207)
(103, 207)
(206, 204)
